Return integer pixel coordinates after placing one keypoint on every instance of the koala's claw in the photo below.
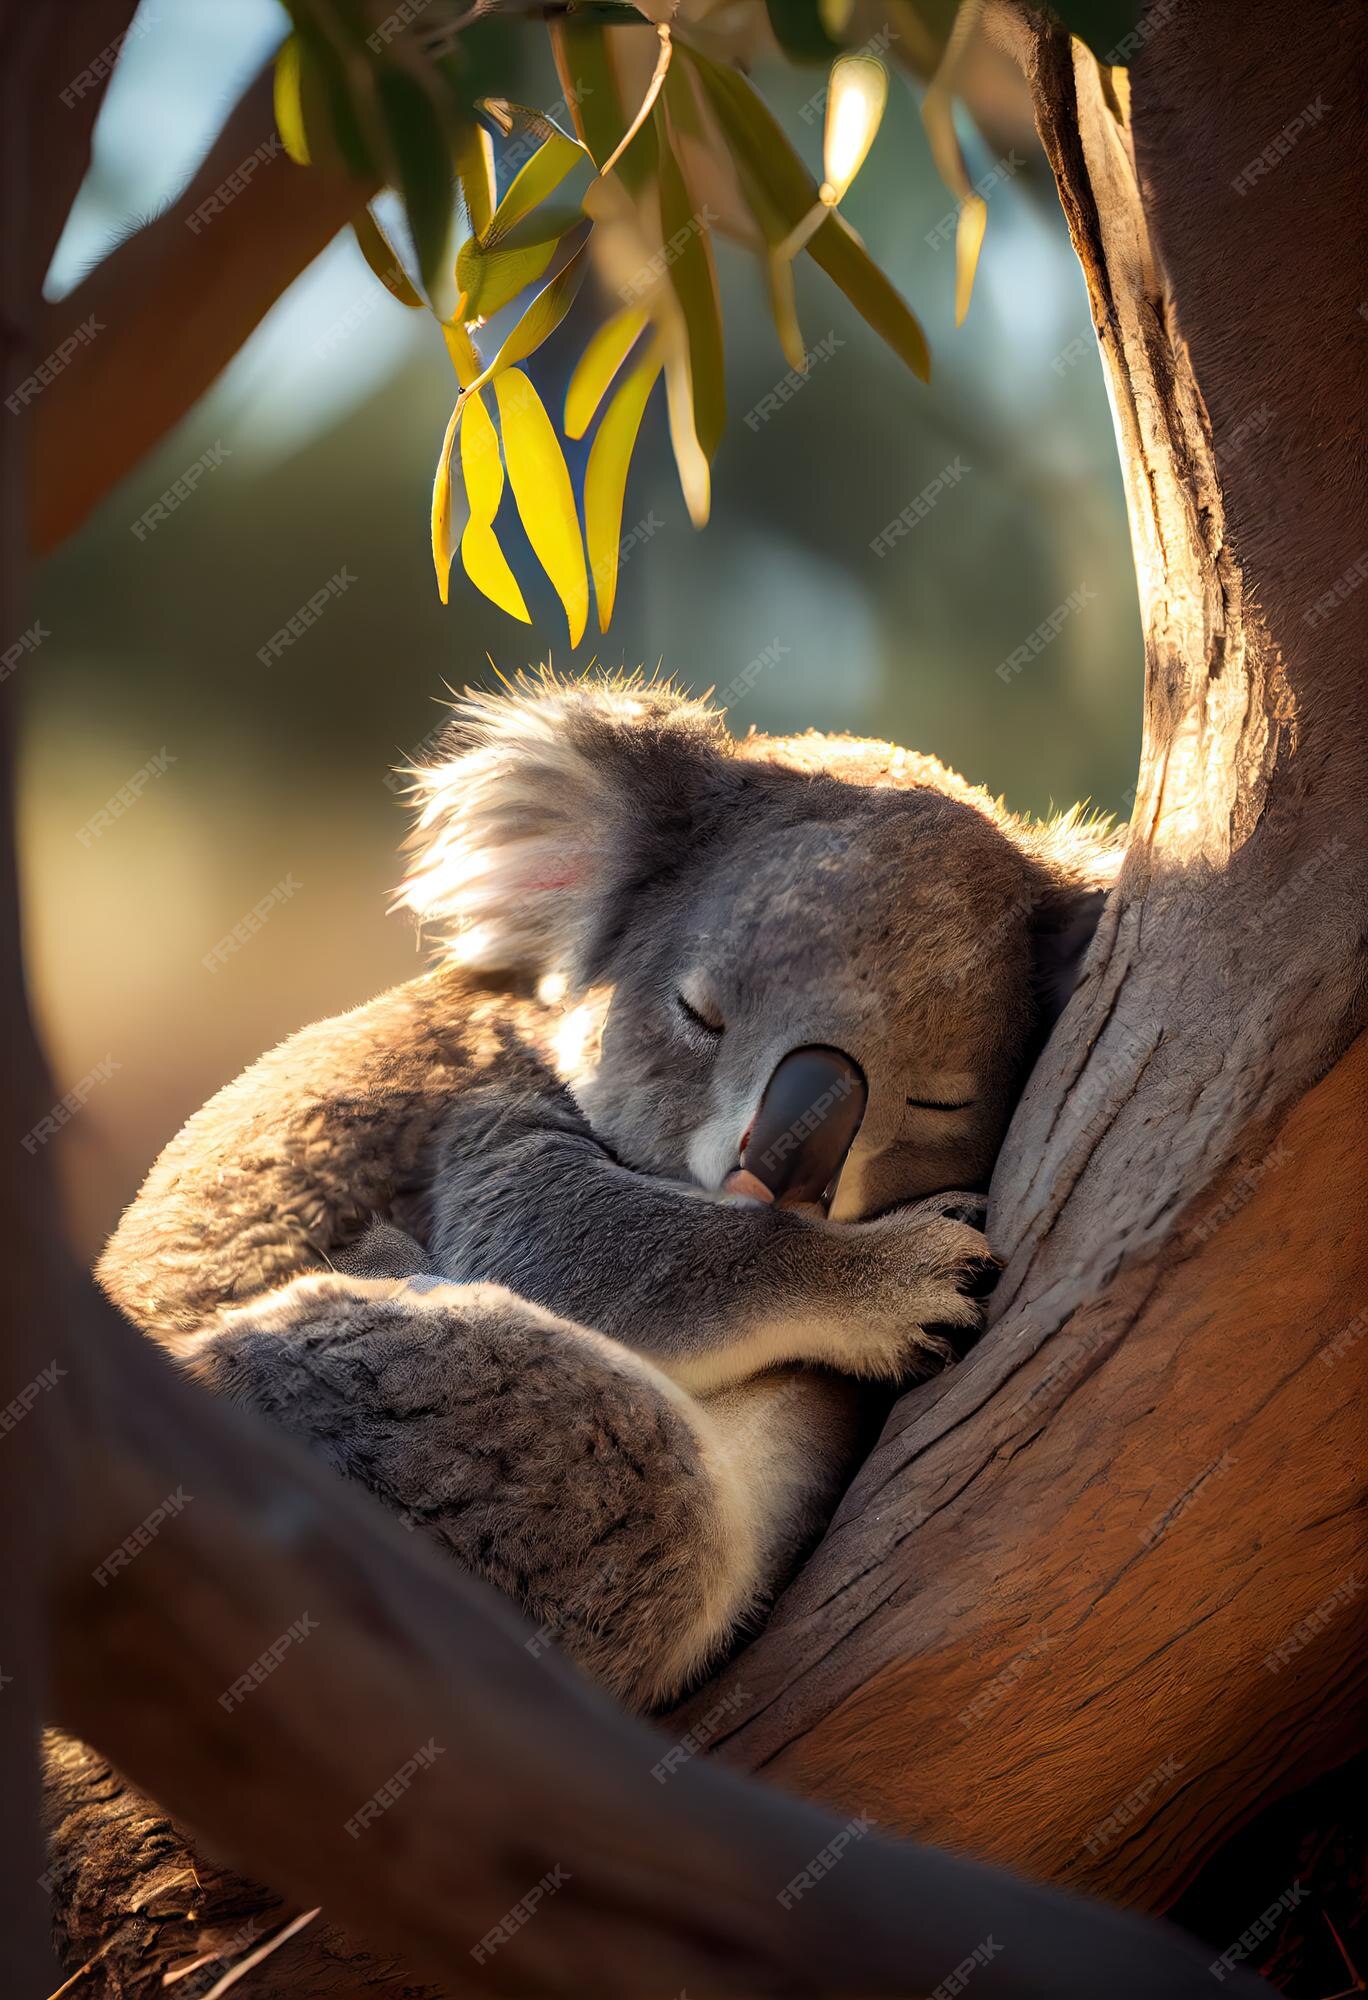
(960, 1205)
(981, 1278)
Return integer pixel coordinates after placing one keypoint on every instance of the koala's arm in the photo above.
(294, 1157)
(710, 1288)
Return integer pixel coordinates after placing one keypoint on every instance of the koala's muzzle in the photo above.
(806, 1125)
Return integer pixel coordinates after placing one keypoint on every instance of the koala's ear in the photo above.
(1064, 919)
(545, 808)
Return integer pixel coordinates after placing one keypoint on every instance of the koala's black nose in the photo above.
(806, 1125)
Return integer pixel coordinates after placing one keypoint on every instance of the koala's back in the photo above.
(295, 1156)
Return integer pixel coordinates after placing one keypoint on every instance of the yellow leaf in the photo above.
(441, 508)
(475, 170)
(481, 463)
(289, 109)
(973, 220)
(384, 260)
(541, 176)
(597, 366)
(605, 479)
(482, 469)
(856, 95)
(490, 278)
(464, 358)
(541, 486)
(538, 321)
(487, 567)
(695, 479)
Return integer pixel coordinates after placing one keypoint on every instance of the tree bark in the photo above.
(173, 304)
(1040, 1626)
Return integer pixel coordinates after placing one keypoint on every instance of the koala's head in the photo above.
(722, 904)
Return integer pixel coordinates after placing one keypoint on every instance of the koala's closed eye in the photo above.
(702, 1015)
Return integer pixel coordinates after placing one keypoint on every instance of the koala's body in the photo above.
(570, 1349)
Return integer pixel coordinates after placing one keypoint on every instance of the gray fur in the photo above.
(614, 838)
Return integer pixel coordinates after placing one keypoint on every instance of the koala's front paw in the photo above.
(923, 1273)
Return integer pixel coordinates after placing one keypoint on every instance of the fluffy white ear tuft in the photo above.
(546, 802)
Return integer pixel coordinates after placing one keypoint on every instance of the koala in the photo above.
(576, 1249)
(536, 1247)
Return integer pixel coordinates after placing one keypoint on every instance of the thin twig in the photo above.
(653, 90)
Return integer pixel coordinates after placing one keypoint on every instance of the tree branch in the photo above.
(526, 1769)
(173, 305)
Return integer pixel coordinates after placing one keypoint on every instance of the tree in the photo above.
(1122, 1507)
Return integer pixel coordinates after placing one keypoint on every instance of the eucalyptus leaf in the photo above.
(605, 479)
(475, 171)
(489, 279)
(763, 151)
(539, 321)
(537, 178)
(442, 547)
(597, 367)
(423, 167)
(545, 499)
(482, 557)
(589, 79)
(289, 104)
(384, 260)
(693, 276)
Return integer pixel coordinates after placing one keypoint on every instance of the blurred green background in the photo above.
(326, 427)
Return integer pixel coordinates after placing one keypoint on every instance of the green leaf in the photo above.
(423, 169)
(384, 260)
(848, 264)
(488, 279)
(605, 479)
(541, 486)
(783, 303)
(481, 556)
(779, 286)
(289, 106)
(332, 96)
(589, 79)
(693, 276)
(597, 366)
(763, 152)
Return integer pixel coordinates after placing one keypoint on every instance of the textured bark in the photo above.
(44, 151)
(1085, 1541)
(174, 303)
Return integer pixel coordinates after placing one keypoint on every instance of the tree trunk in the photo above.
(1041, 1626)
